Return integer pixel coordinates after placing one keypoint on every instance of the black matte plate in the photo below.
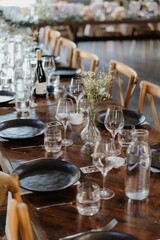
(47, 175)
(155, 149)
(21, 128)
(106, 236)
(130, 117)
(67, 72)
(6, 96)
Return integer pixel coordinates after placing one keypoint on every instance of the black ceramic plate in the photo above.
(47, 175)
(155, 149)
(67, 72)
(6, 96)
(106, 236)
(130, 117)
(21, 128)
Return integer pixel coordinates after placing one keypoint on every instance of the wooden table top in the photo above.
(138, 218)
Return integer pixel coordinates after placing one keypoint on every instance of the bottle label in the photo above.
(41, 88)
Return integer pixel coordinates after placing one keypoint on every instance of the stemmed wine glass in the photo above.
(114, 122)
(49, 67)
(76, 89)
(103, 150)
(64, 111)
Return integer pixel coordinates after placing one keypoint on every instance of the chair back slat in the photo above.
(152, 92)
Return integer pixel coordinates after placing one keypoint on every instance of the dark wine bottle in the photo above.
(41, 86)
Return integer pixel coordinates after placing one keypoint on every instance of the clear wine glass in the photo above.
(64, 111)
(114, 122)
(76, 89)
(103, 150)
(49, 67)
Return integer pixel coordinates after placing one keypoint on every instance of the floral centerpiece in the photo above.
(96, 88)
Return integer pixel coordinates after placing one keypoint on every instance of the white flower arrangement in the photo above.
(96, 87)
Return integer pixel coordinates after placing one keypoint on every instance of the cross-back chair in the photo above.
(9, 183)
(126, 79)
(65, 49)
(53, 36)
(152, 91)
(82, 59)
(18, 224)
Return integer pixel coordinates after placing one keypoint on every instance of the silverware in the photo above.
(54, 205)
(107, 227)
(24, 147)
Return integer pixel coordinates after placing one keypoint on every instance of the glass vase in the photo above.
(90, 134)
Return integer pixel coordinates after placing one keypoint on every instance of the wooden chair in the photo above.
(9, 183)
(81, 58)
(44, 38)
(53, 36)
(125, 77)
(18, 224)
(65, 49)
(152, 91)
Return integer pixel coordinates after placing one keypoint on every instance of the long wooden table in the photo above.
(75, 25)
(138, 218)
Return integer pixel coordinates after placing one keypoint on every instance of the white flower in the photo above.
(95, 87)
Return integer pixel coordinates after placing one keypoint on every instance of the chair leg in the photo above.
(143, 49)
(94, 46)
(132, 47)
(121, 49)
(158, 48)
(104, 45)
(151, 43)
(114, 47)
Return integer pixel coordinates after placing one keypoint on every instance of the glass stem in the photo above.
(65, 129)
(104, 181)
(77, 105)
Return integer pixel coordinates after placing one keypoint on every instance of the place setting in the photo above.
(130, 118)
(6, 97)
(21, 128)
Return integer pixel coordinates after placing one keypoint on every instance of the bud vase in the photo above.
(90, 134)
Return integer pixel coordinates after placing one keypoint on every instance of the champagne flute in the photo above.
(114, 122)
(76, 89)
(65, 109)
(103, 150)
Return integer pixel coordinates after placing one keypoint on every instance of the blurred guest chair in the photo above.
(85, 60)
(9, 183)
(64, 49)
(125, 78)
(18, 224)
(152, 91)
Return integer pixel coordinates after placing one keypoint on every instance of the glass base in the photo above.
(67, 142)
(107, 194)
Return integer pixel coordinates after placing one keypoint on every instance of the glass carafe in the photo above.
(137, 178)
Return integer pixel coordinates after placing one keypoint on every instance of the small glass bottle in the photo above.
(137, 177)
